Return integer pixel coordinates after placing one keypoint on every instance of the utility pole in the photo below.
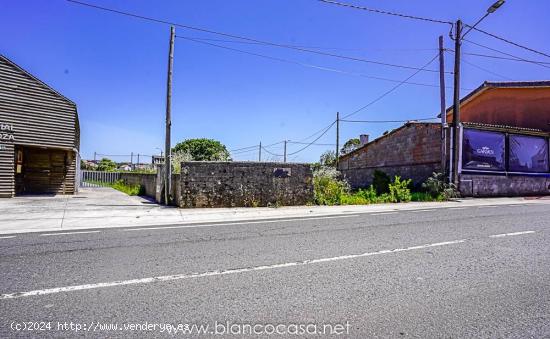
(284, 159)
(132, 158)
(337, 138)
(260, 152)
(456, 102)
(95, 156)
(168, 147)
(443, 106)
(138, 160)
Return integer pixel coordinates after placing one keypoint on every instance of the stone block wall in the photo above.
(244, 184)
(412, 151)
(475, 185)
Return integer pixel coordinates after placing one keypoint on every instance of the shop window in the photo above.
(483, 150)
(528, 154)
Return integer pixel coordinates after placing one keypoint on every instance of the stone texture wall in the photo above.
(412, 151)
(244, 184)
(474, 185)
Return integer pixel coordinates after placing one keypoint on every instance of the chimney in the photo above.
(364, 139)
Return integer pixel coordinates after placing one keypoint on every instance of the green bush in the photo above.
(328, 188)
(128, 189)
(437, 187)
(381, 182)
(399, 190)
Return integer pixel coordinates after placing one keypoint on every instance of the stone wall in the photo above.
(475, 185)
(412, 151)
(244, 184)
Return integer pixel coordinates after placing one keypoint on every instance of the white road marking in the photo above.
(216, 272)
(237, 223)
(66, 233)
(10, 237)
(457, 208)
(510, 234)
(384, 213)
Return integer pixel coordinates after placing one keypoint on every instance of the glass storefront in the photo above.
(497, 151)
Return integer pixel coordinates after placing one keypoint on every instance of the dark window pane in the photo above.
(483, 150)
(528, 154)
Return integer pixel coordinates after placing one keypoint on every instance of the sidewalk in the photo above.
(106, 208)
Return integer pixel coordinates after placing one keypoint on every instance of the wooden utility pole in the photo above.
(284, 157)
(260, 152)
(167, 146)
(443, 106)
(456, 102)
(337, 138)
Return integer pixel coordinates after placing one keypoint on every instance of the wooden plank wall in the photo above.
(40, 117)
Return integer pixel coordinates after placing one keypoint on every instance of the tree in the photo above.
(203, 150)
(350, 145)
(328, 158)
(106, 165)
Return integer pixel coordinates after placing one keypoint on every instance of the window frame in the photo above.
(509, 151)
(504, 161)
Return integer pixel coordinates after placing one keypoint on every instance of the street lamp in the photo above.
(456, 101)
(495, 6)
(490, 10)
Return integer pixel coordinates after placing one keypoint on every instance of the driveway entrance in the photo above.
(90, 208)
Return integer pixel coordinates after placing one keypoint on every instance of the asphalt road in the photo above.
(454, 272)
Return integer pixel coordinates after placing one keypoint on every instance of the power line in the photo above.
(508, 41)
(316, 47)
(505, 58)
(307, 143)
(516, 58)
(276, 155)
(391, 90)
(244, 148)
(313, 142)
(137, 16)
(386, 12)
(386, 121)
(486, 70)
(322, 68)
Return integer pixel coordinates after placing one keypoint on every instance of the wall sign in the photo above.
(282, 172)
(6, 132)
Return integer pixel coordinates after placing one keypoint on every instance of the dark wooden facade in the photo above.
(40, 135)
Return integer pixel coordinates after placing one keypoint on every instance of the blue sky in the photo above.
(114, 67)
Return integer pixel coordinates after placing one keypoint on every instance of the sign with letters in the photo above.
(6, 132)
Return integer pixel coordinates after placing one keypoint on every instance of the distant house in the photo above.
(504, 144)
(39, 135)
(125, 167)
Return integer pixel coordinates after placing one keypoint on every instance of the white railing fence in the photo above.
(97, 178)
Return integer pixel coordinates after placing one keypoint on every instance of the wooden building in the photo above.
(39, 135)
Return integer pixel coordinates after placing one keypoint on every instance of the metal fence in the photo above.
(97, 178)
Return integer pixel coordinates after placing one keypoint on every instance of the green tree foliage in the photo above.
(203, 150)
(328, 159)
(106, 165)
(350, 145)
